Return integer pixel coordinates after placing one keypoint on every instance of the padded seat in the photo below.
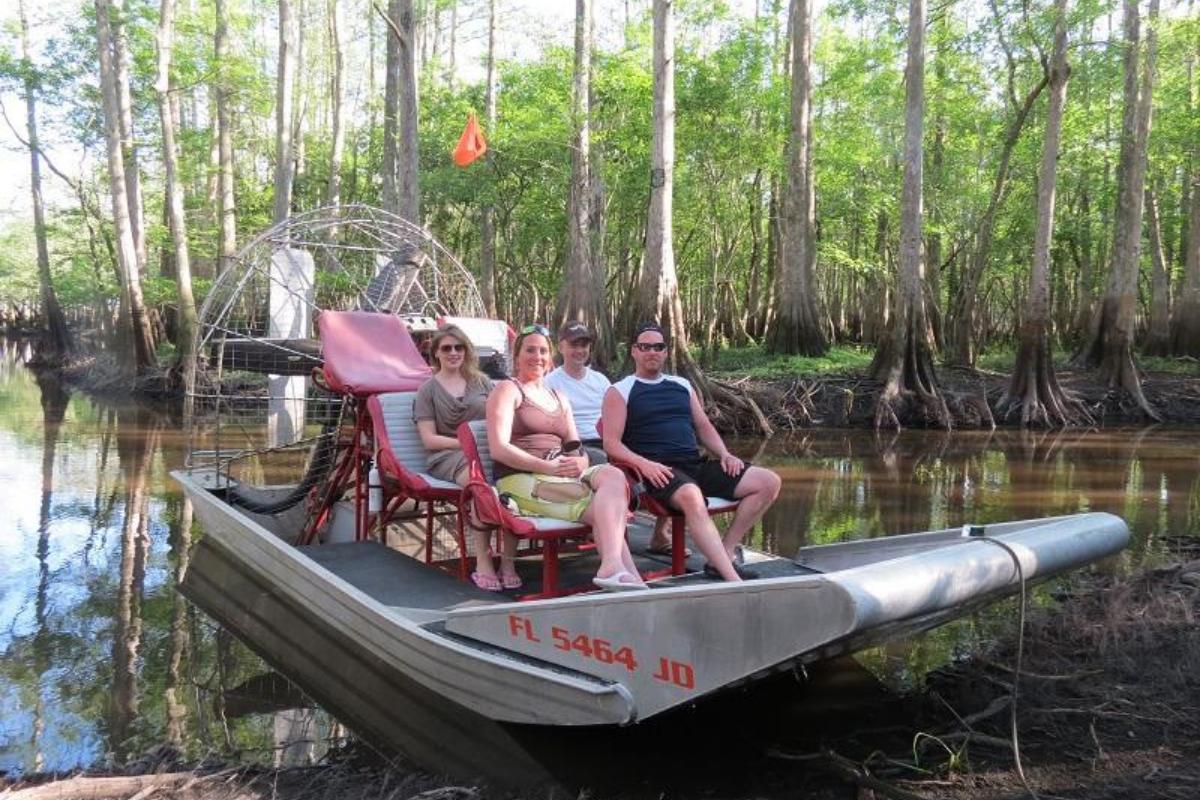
(368, 353)
(400, 458)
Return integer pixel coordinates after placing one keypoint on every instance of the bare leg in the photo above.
(661, 538)
(755, 492)
(480, 536)
(606, 515)
(700, 527)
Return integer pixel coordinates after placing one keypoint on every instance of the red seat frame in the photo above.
(402, 484)
(481, 496)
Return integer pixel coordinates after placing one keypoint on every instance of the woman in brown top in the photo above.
(457, 393)
(527, 426)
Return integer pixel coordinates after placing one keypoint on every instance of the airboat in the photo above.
(329, 553)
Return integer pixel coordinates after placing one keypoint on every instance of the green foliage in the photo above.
(732, 120)
(757, 363)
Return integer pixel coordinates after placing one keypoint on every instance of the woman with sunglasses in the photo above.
(529, 428)
(457, 393)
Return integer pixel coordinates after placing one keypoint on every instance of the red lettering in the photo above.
(678, 673)
(582, 644)
(562, 638)
(521, 627)
(682, 675)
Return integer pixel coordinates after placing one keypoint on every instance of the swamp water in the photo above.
(101, 659)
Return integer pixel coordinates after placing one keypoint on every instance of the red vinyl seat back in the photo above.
(367, 353)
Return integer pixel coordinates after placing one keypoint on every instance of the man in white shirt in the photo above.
(584, 388)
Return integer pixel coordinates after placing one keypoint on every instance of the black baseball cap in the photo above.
(574, 331)
(649, 326)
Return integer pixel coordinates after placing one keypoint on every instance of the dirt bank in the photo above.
(1108, 707)
(849, 401)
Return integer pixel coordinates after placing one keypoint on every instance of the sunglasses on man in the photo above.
(647, 347)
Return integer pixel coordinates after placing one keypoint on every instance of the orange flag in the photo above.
(471, 144)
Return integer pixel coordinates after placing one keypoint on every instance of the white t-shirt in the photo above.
(585, 395)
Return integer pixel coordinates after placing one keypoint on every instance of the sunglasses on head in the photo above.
(536, 328)
(647, 347)
(452, 348)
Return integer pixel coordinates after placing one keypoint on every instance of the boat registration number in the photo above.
(667, 670)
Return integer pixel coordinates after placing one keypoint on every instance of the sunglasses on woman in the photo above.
(647, 347)
(452, 348)
(536, 328)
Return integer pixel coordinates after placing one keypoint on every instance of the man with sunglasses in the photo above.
(655, 422)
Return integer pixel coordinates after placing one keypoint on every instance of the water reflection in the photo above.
(841, 485)
(100, 658)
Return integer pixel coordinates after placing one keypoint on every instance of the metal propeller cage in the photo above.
(261, 426)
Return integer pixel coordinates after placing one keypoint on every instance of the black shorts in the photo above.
(595, 451)
(705, 473)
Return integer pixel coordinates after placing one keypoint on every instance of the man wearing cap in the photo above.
(583, 386)
(655, 422)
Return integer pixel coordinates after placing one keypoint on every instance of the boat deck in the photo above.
(398, 580)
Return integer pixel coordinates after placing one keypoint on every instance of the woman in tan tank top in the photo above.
(526, 422)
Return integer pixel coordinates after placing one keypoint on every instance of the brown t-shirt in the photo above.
(536, 430)
(433, 402)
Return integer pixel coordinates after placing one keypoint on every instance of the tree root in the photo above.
(1037, 394)
(850, 770)
(728, 404)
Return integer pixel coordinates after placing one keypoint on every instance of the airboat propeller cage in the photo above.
(256, 339)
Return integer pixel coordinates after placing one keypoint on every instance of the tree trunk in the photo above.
(285, 89)
(797, 325)
(391, 111)
(227, 221)
(1110, 345)
(451, 48)
(581, 296)
(127, 261)
(338, 92)
(409, 156)
(1185, 333)
(487, 231)
(133, 181)
(904, 359)
(57, 342)
(1158, 333)
(1034, 388)
(658, 290)
(657, 297)
(186, 335)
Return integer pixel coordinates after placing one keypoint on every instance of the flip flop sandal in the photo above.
(511, 580)
(613, 583)
(489, 583)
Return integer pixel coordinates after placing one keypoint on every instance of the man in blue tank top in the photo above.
(655, 422)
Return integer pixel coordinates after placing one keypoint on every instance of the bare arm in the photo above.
(712, 441)
(431, 439)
